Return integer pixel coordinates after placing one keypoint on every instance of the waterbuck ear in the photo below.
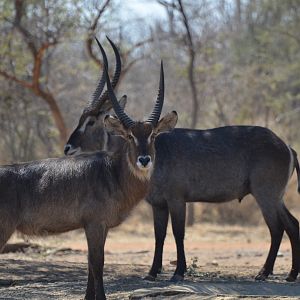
(107, 106)
(114, 125)
(167, 123)
(123, 101)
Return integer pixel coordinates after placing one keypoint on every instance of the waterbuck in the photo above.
(215, 165)
(92, 191)
(89, 134)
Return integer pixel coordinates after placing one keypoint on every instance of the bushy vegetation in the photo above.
(227, 62)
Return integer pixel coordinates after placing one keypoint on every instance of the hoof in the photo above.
(6, 282)
(176, 278)
(149, 278)
(261, 277)
(290, 278)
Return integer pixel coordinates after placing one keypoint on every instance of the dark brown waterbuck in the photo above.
(215, 165)
(93, 191)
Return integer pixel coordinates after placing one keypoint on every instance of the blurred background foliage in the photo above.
(226, 62)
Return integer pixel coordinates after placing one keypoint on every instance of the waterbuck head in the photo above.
(90, 134)
(139, 136)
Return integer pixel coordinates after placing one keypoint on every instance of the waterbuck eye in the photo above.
(90, 123)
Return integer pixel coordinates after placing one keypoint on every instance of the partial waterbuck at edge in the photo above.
(94, 191)
(216, 165)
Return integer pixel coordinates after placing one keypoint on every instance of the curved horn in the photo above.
(155, 115)
(127, 122)
(96, 102)
(117, 73)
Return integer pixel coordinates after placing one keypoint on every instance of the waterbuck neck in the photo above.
(134, 188)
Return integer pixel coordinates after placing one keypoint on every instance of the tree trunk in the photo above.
(190, 210)
(238, 12)
(190, 220)
(193, 89)
(57, 116)
(190, 206)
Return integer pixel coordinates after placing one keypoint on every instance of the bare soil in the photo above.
(222, 263)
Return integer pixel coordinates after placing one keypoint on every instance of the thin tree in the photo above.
(126, 52)
(179, 7)
(38, 48)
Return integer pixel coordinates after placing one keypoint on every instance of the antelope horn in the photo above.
(97, 101)
(126, 121)
(155, 115)
(117, 73)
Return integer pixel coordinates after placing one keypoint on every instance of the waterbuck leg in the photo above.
(90, 289)
(96, 236)
(177, 212)
(269, 207)
(276, 232)
(7, 228)
(160, 217)
(291, 226)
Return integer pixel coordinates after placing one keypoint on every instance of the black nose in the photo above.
(67, 148)
(144, 160)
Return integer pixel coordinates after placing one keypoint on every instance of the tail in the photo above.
(296, 165)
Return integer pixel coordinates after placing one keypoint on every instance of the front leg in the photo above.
(90, 289)
(177, 211)
(96, 236)
(160, 217)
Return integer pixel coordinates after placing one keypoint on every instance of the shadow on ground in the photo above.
(36, 279)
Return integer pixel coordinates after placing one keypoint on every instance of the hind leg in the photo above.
(291, 227)
(276, 237)
(276, 229)
(279, 219)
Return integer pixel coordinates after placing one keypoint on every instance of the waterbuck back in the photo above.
(219, 165)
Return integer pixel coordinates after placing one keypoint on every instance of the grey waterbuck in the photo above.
(92, 191)
(217, 165)
(89, 134)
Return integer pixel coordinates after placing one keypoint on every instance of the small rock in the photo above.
(173, 262)
(6, 282)
(213, 263)
(280, 254)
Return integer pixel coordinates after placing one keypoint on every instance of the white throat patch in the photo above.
(143, 175)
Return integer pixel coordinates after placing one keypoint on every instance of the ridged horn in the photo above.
(118, 69)
(155, 115)
(97, 100)
(122, 116)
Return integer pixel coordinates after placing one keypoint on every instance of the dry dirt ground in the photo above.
(222, 263)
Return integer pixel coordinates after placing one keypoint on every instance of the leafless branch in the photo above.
(17, 23)
(23, 83)
(137, 45)
(91, 31)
